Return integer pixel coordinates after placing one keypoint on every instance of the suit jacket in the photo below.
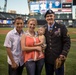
(58, 42)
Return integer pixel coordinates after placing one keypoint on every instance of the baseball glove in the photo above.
(58, 63)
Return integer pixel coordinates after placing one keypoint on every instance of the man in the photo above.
(14, 52)
(58, 44)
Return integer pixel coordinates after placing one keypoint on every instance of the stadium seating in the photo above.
(40, 17)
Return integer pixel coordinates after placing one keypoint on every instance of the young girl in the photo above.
(41, 36)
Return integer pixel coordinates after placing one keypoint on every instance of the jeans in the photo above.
(17, 71)
(34, 67)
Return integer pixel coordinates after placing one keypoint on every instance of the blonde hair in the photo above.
(32, 19)
(43, 29)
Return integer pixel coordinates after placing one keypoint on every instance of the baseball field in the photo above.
(70, 63)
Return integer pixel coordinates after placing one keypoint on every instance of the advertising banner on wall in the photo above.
(66, 1)
(56, 6)
(42, 6)
(9, 22)
(34, 7)
(74, 12)
(66, 7)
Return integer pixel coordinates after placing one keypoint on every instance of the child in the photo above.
(41, 36)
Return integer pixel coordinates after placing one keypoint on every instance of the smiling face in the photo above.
(32, 24)
(50, 18)
(19, 24)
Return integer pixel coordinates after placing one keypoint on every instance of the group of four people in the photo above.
(32, 49)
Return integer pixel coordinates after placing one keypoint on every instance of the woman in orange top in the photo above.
(33, 62)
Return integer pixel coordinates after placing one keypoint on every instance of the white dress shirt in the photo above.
(12, 41)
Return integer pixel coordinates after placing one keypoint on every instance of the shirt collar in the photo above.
(27, 33)
(51, 25)
(15, 31)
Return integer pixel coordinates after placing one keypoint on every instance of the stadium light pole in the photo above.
(5, 5)
(0, 8)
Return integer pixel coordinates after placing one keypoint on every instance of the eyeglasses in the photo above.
(19, 23)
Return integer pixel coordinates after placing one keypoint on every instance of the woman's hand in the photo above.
(39, 48)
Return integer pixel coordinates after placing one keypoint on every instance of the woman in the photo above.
(33, 62)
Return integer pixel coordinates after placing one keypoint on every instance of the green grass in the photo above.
(6, 28)
(71, 61)
(3, 58)
(71, 32)
(70, 64)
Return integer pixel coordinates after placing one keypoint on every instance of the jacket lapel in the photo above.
(51, 32)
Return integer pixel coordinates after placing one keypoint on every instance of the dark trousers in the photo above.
(17, 71)
(50, 70)
(34, 67)
(60, 71)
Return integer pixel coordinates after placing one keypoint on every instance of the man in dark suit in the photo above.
(58, 44)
